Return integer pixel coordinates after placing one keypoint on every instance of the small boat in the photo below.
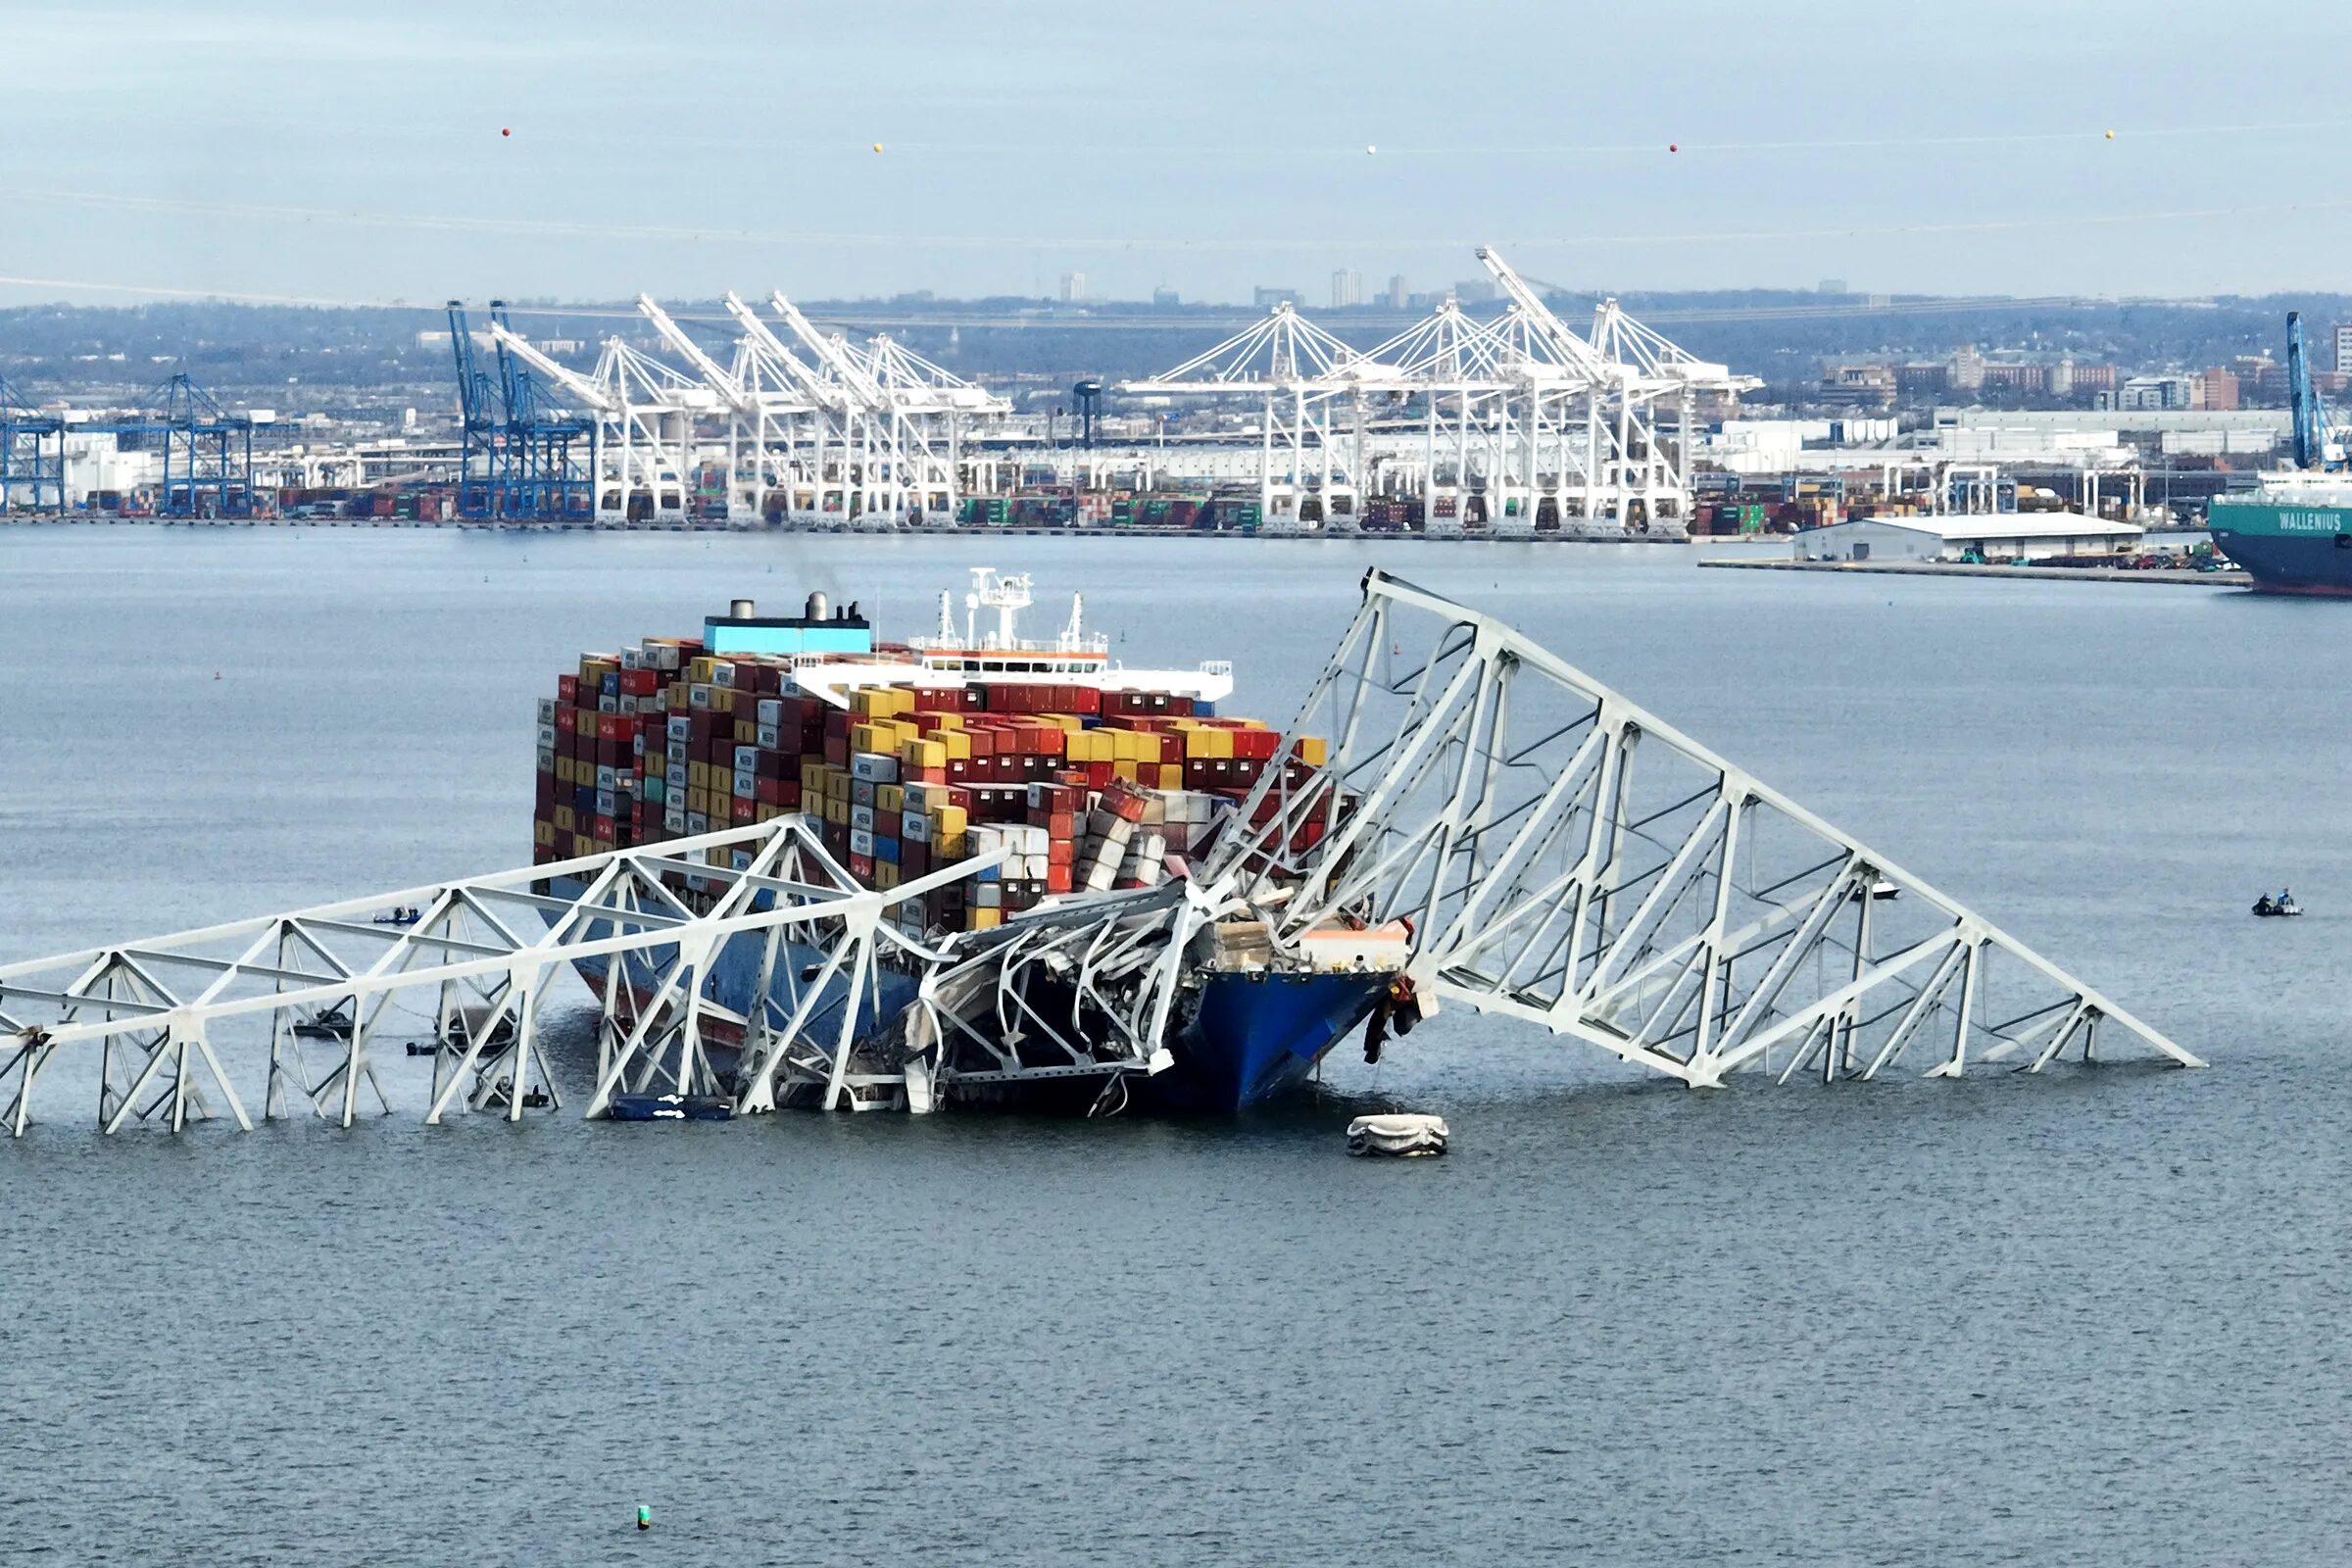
(1401, 1135)
(401, 917)
(1878, 891)
(332, 1024)
(671, 1108)
(2270, 909)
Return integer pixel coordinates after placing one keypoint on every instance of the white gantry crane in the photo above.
(1551, 852)
(1514, 424)
(643, 447)
(1309, 473)
(822, 431)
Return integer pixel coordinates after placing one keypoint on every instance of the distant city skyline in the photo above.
(274, 150)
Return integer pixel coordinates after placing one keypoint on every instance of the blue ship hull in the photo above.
(1251, 1038)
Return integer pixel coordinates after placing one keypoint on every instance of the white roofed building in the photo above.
(1993, 536)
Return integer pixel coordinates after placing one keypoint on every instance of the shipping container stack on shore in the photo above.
(1085, 790)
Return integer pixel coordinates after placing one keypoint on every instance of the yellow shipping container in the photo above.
(1312, 752)
(987, 919)
(697, 775)
(947, 846)
(1127, 770)
(890, 799)
(746, 732)
(567, 818)
(886, 874)
(944, 722)
(1171, 775)
(837, 811)
(922, 754)
(951, 821)
(544, 834)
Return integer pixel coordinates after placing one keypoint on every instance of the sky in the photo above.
(429, 150)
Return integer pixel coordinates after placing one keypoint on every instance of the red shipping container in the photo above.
(567, 690)
(1057, 878)
(862, 866)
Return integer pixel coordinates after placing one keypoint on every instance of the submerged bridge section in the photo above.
(1562, 857)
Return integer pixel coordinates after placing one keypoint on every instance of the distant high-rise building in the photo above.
(1968, 368)
(1831, 285)
(1266, 297)
(1399, 296)
(1347, 288)
(1073, 286)
(2343, 345)
(2221, 385)
(1164, 298)
(2062, 378)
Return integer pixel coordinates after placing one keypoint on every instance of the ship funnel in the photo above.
(739, 609)
(817, 607)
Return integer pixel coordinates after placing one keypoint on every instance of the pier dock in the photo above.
(1960, 568)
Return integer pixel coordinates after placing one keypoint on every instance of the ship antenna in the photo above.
(1070, 639)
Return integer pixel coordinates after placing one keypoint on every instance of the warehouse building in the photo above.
(2001, 536)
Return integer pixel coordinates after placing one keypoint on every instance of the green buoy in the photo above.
(645, 1517)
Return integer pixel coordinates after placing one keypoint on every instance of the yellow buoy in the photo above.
(2111, 135)
(877, 146)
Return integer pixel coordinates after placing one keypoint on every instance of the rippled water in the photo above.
(2084, 1317)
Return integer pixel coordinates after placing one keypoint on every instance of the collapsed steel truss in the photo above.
(1562, 857)
(312, 996)
(1569, 859)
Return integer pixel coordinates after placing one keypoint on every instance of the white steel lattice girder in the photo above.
(1570, 859)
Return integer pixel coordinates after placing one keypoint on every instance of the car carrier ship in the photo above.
(2292, 534)
(1080, 779)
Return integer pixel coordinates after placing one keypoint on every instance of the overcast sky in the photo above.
(327, 151)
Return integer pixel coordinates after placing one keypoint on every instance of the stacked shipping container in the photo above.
(1085, 790)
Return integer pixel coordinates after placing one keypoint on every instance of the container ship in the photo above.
(1084, 779)
(2294, 534)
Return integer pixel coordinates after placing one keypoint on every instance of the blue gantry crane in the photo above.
(543, 478)
(32, 455)
(2310, 413)
(208, 451)
(516, 455)
(482, 416)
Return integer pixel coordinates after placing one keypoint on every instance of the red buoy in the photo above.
(503, 131)
(1674, 146)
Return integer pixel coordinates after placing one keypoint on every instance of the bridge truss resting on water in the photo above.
(1564, 858)
(1571, 861)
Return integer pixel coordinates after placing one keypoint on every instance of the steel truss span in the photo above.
(1569, 859)
(1085, 991)
(1563, 858)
